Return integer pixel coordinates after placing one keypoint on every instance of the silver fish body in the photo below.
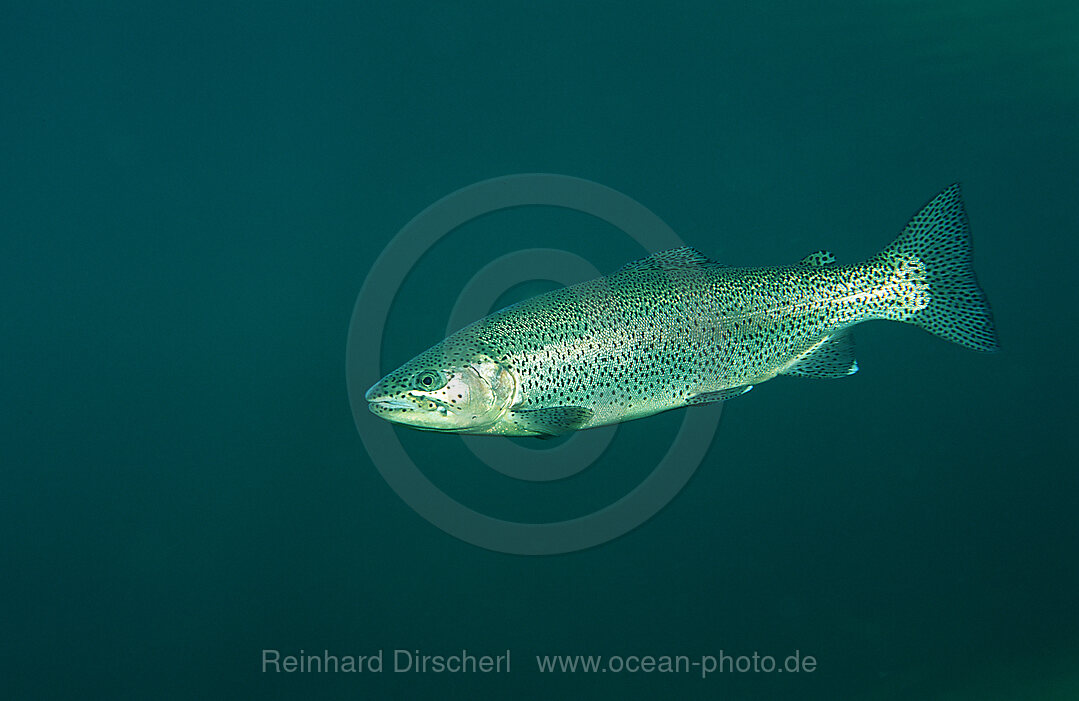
(676, 329)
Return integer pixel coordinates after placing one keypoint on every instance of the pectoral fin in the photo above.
(552, 421)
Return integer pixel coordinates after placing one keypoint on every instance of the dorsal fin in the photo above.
(673, 259)
(818, 259)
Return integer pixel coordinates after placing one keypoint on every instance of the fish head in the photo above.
(439, 391)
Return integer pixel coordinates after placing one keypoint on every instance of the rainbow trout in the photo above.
(676, 329)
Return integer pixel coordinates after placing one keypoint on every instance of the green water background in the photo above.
(194, 193)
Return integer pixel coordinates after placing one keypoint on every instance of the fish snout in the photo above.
(379, 399)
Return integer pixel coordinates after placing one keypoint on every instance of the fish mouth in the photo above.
(381, 404)
(387, 406)
(389, 403)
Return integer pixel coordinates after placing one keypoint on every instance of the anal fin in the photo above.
(719, 395)
(832, 356)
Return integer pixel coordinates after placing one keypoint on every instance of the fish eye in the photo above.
(430, 379)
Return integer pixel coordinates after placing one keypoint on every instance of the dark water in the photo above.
(194, 194)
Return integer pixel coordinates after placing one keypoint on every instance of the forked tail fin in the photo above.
(936, 247)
